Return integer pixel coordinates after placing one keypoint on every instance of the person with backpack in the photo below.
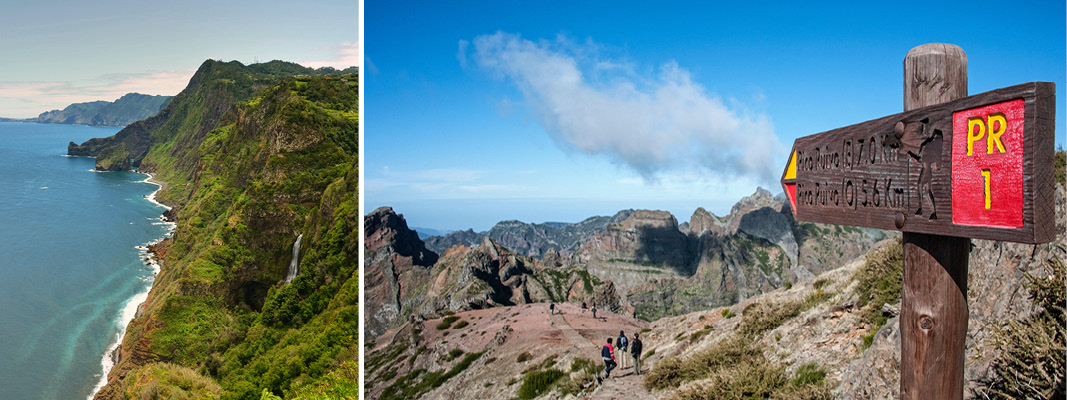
(608, 354)
(551, 308)
(635, 350)
(594, 310)
(621, 343)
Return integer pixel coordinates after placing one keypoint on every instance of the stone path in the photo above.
(570, 333)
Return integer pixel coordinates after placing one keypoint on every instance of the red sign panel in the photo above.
(987, 165)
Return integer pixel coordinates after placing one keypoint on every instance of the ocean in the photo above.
(71, 260)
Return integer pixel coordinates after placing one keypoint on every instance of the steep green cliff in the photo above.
(252, 160)
(212, 92)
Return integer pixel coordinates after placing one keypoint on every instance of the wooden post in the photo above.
(934, 313)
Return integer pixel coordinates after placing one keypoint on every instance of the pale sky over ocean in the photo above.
(54, 53)
(484, 111)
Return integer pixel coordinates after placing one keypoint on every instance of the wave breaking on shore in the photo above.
(130, 310)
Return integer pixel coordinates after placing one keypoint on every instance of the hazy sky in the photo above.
(555, 111)
(54, 53)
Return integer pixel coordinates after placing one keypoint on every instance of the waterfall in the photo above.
(295, 261)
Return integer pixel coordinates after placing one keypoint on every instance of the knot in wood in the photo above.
(926, 322)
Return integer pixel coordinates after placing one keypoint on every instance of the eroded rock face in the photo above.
(645, 237)
(396, 267)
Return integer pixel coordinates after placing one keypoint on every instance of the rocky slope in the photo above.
(125, 110)
(252, 167)
(404, 281)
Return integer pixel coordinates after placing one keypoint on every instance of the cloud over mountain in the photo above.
(652, 122)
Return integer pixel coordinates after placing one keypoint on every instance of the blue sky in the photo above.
(483, 111)
(54, 53)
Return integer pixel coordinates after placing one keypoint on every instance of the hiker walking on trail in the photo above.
(635, 350)
(594, 311)
(621, 343)
(608, 354)
(551, 308)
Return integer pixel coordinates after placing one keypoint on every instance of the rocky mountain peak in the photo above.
(702, 220)
(396, 264)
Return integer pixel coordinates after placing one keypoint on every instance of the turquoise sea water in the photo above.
(70, 260)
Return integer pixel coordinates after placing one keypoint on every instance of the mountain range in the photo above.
(129, 108)
(639, 262)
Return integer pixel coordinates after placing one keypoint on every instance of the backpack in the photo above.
(622, 342)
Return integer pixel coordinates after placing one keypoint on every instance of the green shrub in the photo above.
(880, 281)
(538, 382)
(460, 325)
(1031, 359)
(524, 357)
(452, 355)
(447, 322)
(808, 374)
(816, 297)
(727, 313)
(764, 316)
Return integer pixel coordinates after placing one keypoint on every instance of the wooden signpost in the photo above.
(947, 169)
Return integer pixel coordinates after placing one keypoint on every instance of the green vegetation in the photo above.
(879, 282)
(1031, 360)
(727, 313)
(808, 374)
(764, 316)
(452, 355)
(167, 381)
(700, 334)
(115, 158)
(418, 382)
(538, 382)
(524, 357)
(460, 325)
(252, 160)
(447, 322)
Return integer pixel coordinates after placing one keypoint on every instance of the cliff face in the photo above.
(396, 266)
(246, 179)
(211, 94)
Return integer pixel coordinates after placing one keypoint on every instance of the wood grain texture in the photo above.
(934, 312)
(934, 316)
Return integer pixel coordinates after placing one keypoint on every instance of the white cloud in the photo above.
(342, 56)
(660, 123)
(28, 99)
